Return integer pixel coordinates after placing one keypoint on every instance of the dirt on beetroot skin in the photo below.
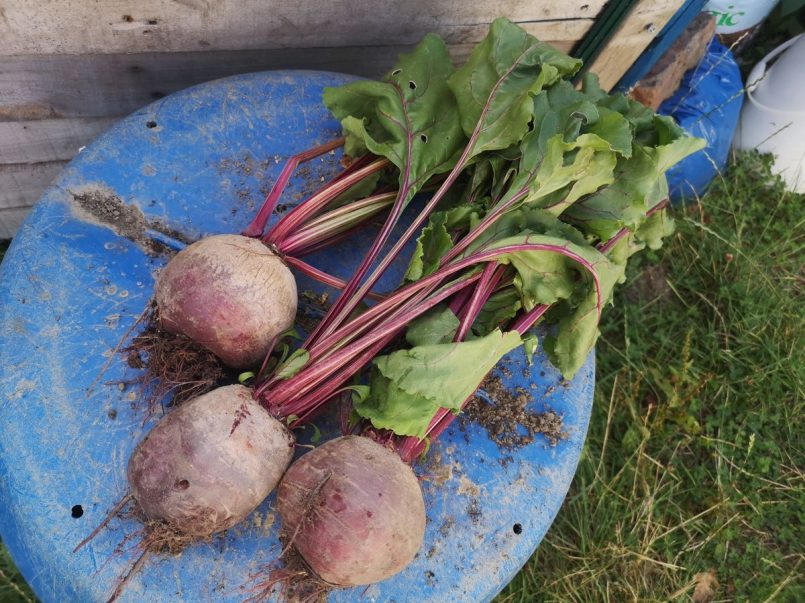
(508, 421)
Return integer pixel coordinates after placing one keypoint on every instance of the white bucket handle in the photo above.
(759, 71)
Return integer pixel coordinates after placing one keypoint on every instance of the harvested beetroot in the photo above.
(541, 242)
(210, 462)
(353, 510)
(229, 293)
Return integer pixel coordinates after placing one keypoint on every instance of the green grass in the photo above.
(694, 461)
(12, 587)
(693, 465)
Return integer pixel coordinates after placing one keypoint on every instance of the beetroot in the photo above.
(210, 462)
(353, 510)
(229, 293)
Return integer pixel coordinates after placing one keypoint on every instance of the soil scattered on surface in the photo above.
(312, 308)
(446, 526)
(507, 421)
(174, 365)
(474, 511)
(101, 206)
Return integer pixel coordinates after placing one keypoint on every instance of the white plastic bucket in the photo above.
(773, 118)
(738, 15)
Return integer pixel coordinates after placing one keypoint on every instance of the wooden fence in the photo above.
(70, 68)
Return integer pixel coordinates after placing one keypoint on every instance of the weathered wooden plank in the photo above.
(41, 140)
(10, 220)
(117, 84)
(115, 26)
(21, 184)
(635, 33)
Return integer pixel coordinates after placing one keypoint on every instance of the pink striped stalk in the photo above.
(316, 373)
(291, 221)
(480, 295)
(258, 225)
(347, 302)
(323, 363)
(321, 276)
(335, 222)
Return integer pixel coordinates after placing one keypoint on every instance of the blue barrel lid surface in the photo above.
(72, 285)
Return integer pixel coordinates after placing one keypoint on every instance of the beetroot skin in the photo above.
(210, 462)
(229, 293)
(354, 511)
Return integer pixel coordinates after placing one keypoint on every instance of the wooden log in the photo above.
(43, 140)
(11, 219)
(105, 85)
(117, 26)
(21, 184)
(635, 33)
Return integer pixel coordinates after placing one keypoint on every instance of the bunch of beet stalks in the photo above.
(535, 196)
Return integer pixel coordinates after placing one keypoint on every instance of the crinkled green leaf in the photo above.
(623, 203)
(440, 371)
(360, 190)
(434, 241)
(293, 364)
(612, 127)
(432, 244)
(543, 277)
(589, 172)
(501, 307)
(436, 326)
(638, 115)
(408, 386)
(659, 143)
(673, 144)
(359, 393)
(530, 344)
(391, 407)
(527, 220)
(577, 330)
(656, 227)
(461, 217)
(495, 86)
(562, 109)
(488, 174)
(625, 248)
(576, 168)
(410, 117)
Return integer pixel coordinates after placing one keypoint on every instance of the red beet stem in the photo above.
(325, 367)
(291, 221)
(258, 225)
(321, 276)
(480, 295)
(336, 222)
